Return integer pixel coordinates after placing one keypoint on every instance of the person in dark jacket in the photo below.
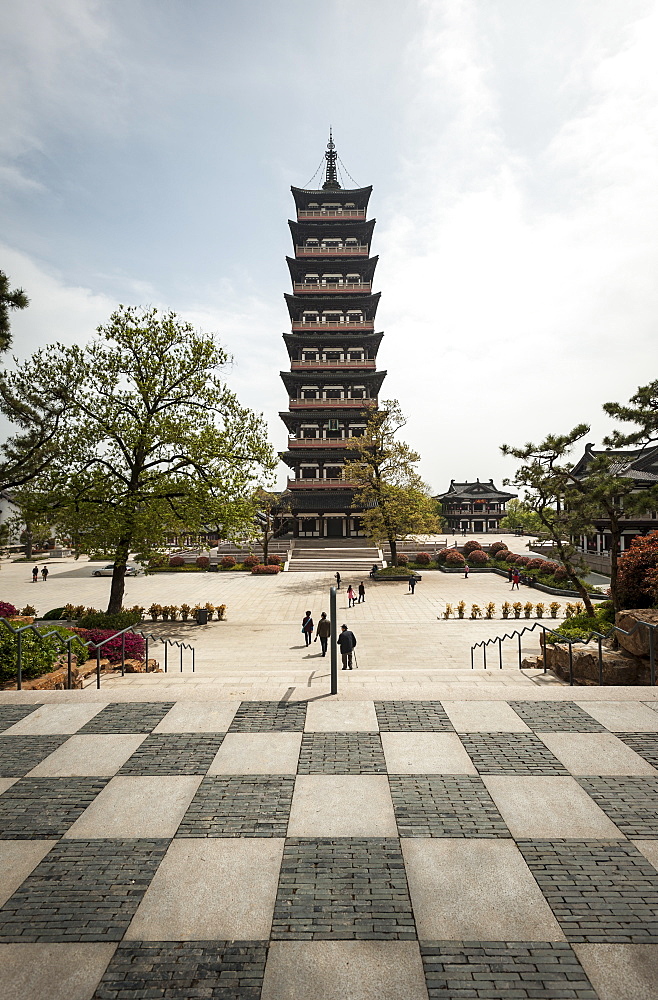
(337, 581)
(362, 592)
(346, 644)
(307, 628)
(323, 632)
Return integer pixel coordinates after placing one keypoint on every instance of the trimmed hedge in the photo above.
(203, 562)
(454, 558)
(470, 546)
(261, 570)
(176, 561)
(227, 562)
(423, 558)
(478, 558)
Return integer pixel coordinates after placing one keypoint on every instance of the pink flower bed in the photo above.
(135, 646)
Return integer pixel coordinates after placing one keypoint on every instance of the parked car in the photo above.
(131, 570)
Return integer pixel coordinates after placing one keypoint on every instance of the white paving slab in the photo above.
(548, 806)
(137, 807)
(622, 716)
(426, 753)
(475, 890)
(17, 859)
(91, 755)
(341, 717)
(52, 971)
(257, 753)
(51, 720)
(621, 971)
(595, 754)
(211, 889)
(198, 717)
(342, 805)
(484, 717)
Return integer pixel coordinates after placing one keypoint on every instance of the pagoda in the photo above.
(333, 382)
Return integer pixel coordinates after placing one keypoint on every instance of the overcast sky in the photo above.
(147, 148)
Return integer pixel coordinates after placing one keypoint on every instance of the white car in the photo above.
(109, 570)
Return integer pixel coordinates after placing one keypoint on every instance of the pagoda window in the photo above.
(357, 430)
(356, 355)
(354, 316)
(333, 392)
(332, 279)
(333, 472)
(350, 204)
(351, 241)
(333, 356)
(333, 317)
(312, 204)
(358, 392)
(309, 472)
(353, 279)
(332, 244)
(310, 317)
(332, 206)
(310, 356)
(311, 279)
(309, 392)
(309, 431)
(311, 242)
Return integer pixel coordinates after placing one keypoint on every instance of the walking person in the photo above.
(351, 596)
(337, 581)
(362, 592)
(307, 628)
(35, 574)
(323, 632)
(44, 573)
(346, 644)
(412, 583)
(467, 569)
(515, 579)
(510, 574)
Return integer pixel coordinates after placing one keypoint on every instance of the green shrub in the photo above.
(39, 653)
(104, 621)
(54, 614)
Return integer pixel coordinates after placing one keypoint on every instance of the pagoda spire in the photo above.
(331, 178)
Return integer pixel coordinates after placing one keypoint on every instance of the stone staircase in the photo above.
(345, 555)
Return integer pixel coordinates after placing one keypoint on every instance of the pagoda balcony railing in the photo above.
(360, 250)
(317, 325)
(325, 404)
(331, 213)
(326, 365)
(334, 442)
(299, 287)
(473, 510)
(314, 484)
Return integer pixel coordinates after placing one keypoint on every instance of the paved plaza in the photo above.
(431, 833)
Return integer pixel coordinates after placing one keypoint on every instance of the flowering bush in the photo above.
(442, 555)
(134, 644)
(470, 546)
(560, 573)
(403, 559)
(478, 557)
(454, 558)
(7, 610)
(497, 547)
(637, 580)
(274, 560)
(250, 561)
(176, 561)
(523, 560)
(511, 557)
(549, 566)
(227, 562)
(203, 562)
(423, 558)
(535, 564)
(502, 554)
(29, 611)
(260, 570)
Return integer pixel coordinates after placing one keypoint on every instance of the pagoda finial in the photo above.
(331, 178)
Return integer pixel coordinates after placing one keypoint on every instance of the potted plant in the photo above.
(185, 611)
(155, 611)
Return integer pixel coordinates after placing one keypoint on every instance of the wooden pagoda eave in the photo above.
(302, 196)
(364, 266)
(297, 304)
(369, 338)
(294, 380)
(332, 229)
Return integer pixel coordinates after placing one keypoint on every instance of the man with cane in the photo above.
(347, 644)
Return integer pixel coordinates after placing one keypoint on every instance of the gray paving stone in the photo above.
(19, 754)
(128, 717)
(646, 744)
(84, 890)
(52, 971)
(438, 805)
(174, 753)
(556, 717)
(42, 808)
(510, 753)
(269, 717)
(599, 891)
(341, 889)
(412, 716)
(11, 714)
(630, 802)
(503, 970)
(341, 753)
(181, 970)
(239, 806)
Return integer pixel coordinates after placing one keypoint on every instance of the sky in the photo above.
(147, 148)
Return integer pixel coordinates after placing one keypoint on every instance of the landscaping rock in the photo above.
(618, 668)
(637, 644)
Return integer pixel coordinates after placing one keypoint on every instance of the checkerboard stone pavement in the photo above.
(421, 850)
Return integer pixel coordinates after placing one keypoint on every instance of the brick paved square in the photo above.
(179, 753)
(341, 753)
(269, 717)
(646, 744)
(599, 891)
(19, 754)
(412, 716)
(510, 753)
(630, 802)
(437, 805)
(163, 970)
(42, 808)
(239, 806)
(518, 970)
(344, 888)
(11, 714)
(556, 717)
(128, 717)
(84, 890)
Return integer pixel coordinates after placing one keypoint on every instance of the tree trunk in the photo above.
(584, 594)
(119, 577)
(394, 551)
(28, 541)
(266, 545)
(615, 549)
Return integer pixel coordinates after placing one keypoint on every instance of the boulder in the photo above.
(618, 668)
(638, 643)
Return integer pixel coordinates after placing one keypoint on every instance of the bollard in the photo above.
(19, 662)
(600, 661)
(68, 665)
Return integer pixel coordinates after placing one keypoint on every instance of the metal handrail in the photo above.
(599, 636)
(97, 646)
